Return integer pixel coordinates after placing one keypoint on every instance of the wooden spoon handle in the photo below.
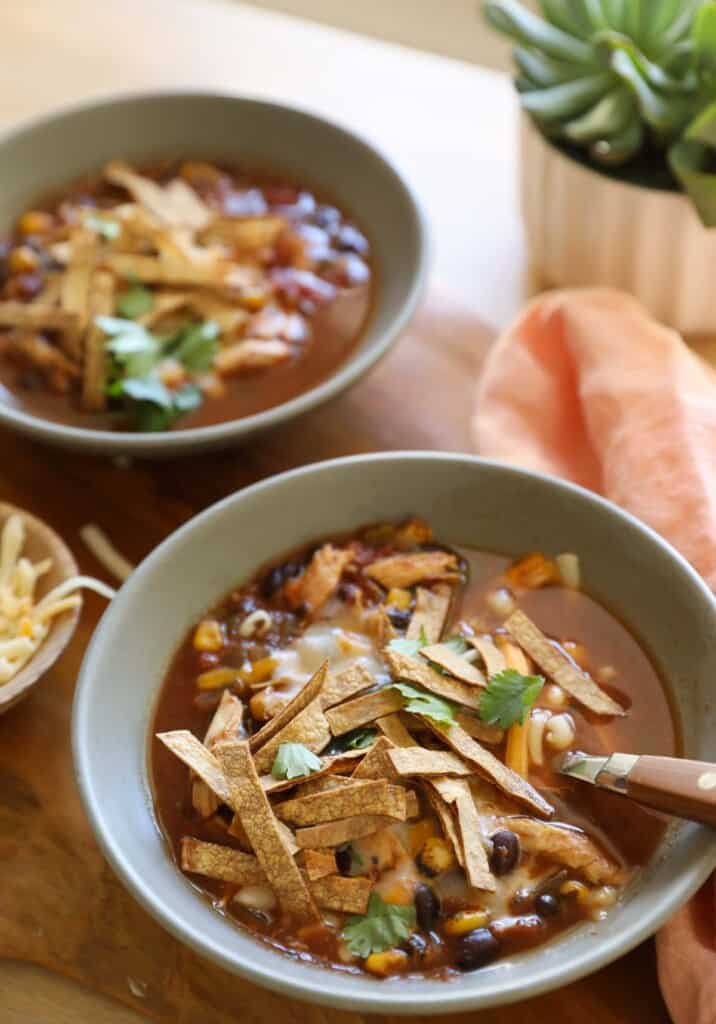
(684, 788)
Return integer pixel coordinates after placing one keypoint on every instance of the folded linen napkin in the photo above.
(587, 386)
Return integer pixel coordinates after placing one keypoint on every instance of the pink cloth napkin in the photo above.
(587, 386)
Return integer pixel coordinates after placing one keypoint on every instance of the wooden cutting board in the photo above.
(60, 905)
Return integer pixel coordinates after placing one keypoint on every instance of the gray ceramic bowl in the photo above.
(470, 502)
(48, 154)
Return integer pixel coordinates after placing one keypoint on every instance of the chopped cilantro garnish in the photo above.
(135, 357)
(401, 644)
(422, 703)
(105, 227)
(135, 301)
(293, 761)
(385, 925)
(358, 739)
(508, 697)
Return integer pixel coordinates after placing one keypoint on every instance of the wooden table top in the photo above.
(452, 128)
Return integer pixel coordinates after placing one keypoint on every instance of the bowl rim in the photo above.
(221, 434)
(381, 998)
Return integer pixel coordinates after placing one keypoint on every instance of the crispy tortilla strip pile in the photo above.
(164, 236)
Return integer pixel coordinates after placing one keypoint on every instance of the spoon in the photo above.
(41, 542)
(686, 789)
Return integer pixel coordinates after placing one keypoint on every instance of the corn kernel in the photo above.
(398, 598)
(253, 300)
(23, 260)
(392, 961)
(208, 636)
(215, 678)
(466, 921)
(398, 892)
(419, 835)
(437, 855)
(26, 628)
(578, 888)
(35, 222)
(260, 671)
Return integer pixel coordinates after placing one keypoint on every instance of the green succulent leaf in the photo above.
(568, 16)
(608, 117)
(516, 21)
(704, 37)
(688, 161)
(544, 71)
(620, 147)
(568, 99)
(665, 116)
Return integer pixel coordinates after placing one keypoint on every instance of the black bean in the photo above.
(427, 906)
(505, 852)
(476, 948)
(272, 581)
(399, 617)
(416, 945)
(547, 905)
(520, 930)
(344, 859)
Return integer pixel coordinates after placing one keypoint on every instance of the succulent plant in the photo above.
(615, 77)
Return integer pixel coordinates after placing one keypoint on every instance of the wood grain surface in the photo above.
(61, 906)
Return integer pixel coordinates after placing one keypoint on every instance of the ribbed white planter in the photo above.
(584, 228)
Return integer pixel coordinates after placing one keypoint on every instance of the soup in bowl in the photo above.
(180, 271)
(337, 740)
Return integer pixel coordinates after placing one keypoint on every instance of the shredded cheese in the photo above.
(24, 621)
(105, 552)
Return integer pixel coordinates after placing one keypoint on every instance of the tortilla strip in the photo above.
(25, 314)
(491, 654)
(421, 761)
(165, 303)
(101, 303)
(250, 354)
(189, 208)
(349, 895)
(221, 862)
(341, 762)
(152, 270)
(309, 728)
(457, 792)
(347, 683)
(367, 797)
(245, 233)
(77, 293)
(225, 724)
(555, 663)
(475, 727)
(409, 569)
(414, 670)
(412, 804)
(375, 764)
(393, 729)
(335, 833)
(203, 763)
(495, 771)
(321, 577)
(447, 822)
(50, 294)
(308, 692)
(566, 845)
(429, 615)
(454, 663)
(263, 830)
(177, 204)
(323, 784)
(363, 709)
(319, 863)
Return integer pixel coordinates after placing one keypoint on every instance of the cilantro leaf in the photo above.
(422, 703)
(359, 739)
(195, 346)
(135, 301)
(293, 761)
(105, 227)
(385, 925)
(508, 697)
(401, 644)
